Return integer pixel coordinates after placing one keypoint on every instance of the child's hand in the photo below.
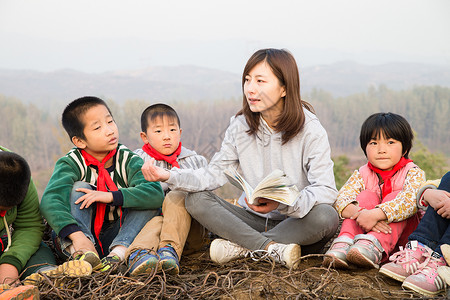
(444, 208)
(368, 218)
(382, 226)
(91, 197)
(8, 274)
(154, 173)
(436, 198)
(81, 243)
(265, 205)
(350, 211)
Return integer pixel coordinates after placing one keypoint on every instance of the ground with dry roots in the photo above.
(245, 278)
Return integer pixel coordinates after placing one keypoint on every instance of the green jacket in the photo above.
(137, 192)
(28, 229)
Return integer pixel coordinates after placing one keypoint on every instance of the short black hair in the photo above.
(391, 126)
(15, 176)
(71, 117)
(157, 110)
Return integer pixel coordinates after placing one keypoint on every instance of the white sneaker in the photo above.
(222, 251)
(288, 255)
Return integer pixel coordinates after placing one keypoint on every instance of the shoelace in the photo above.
(259, 255)
(236, 251)
(402, 256)
(431, 263)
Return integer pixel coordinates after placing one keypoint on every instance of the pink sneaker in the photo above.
(336, 256)
(406, 261)
(426, 280)
(366, 251)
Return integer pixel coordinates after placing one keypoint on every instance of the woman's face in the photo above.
(264, 92)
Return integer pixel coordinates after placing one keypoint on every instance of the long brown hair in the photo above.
(283, 65)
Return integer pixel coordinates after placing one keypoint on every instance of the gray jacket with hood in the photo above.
(305, 159)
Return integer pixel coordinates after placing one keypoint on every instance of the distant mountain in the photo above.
(184, 83)
(345, 78)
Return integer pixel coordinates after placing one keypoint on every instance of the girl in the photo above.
(275, 129)
(378, 202)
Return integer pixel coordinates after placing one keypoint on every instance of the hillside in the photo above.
(184, 83)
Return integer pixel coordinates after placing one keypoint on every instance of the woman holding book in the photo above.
(275, 129)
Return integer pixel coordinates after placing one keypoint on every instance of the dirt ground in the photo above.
(245, 278)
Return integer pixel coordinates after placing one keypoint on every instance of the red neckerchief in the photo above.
(171, 159)
(387, 175)
(104, 184)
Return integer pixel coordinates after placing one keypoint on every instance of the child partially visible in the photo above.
(378, 202)
(22, 249)
(97, 199)
(167, 234)
(417, 264)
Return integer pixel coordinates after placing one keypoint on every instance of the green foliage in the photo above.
(434, 164)
(341, 170)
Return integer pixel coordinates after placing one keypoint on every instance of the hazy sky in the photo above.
(102, 35)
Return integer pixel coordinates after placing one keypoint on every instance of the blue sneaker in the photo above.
(142, 262)
(168, 260)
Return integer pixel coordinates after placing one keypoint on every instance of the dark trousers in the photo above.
(434, 230)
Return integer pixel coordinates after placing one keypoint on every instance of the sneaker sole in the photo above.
(21, 293)
(357, 258)
(169, 266)
(74, 268)
(147, 267)
(293, 260)
(335, 262)
(419, 290)
(392, 275)
(445, 248)
(444, 272)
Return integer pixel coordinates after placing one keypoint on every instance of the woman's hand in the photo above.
(265, 205)
(91, 197)
(154, 173)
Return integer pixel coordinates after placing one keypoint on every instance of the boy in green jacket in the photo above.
(97, 199)
(19, 207)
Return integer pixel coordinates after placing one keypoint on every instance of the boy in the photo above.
(97, 199)
(19, 207)
(167, 235)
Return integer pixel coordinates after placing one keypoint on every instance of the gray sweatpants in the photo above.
(244, 228)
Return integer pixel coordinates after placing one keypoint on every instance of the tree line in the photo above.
(37, 134)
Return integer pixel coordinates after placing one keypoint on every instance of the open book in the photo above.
(275, 186)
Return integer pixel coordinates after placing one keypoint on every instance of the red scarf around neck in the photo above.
(104, 184)
(171, 159)
(387, 175)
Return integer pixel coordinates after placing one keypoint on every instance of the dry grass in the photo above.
(241, 279)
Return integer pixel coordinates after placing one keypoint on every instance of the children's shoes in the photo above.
(336, 256)
(142, 262)
(426, 279)
(168, 260)
(406, 261)
(22, 292)
(365, 252)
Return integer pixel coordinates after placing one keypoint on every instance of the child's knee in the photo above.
(368, 199)
(78, 185)
(174, 198)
